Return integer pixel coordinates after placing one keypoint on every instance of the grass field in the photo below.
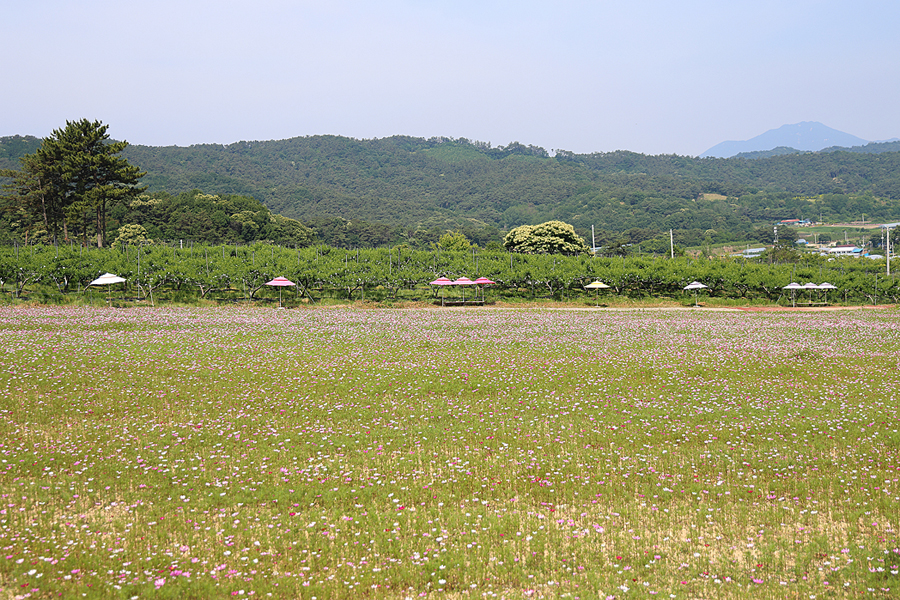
(344, 453)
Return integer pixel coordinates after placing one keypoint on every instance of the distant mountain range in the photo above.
(870, 148)
(808, 136)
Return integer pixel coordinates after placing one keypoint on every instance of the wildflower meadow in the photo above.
(481, 453)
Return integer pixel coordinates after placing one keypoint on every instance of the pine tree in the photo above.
(36, 194)
(75, 175)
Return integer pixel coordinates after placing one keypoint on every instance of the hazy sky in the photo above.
(653, 76)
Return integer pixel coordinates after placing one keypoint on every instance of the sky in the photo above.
(650, 76)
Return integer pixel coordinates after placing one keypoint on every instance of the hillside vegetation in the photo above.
(414, 189)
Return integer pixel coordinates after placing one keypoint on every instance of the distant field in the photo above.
(341, 453)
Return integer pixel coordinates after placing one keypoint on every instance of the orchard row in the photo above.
(231, 273)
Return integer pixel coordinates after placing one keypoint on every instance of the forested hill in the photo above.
(447, 183)
(14, 146)
(409, 181)
(412, 181)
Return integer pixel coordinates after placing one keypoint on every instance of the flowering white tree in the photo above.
(552, 237)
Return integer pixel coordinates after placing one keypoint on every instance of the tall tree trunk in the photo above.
(44, 208)
(99, 231)
(102, 210)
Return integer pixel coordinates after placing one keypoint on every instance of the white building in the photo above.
(844, 251)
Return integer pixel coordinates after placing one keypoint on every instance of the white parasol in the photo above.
(793, 286)
(107, 279)
(695, 285)
(825, 287)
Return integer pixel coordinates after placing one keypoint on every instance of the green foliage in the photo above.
(454, 241)
(289, 232)
(131, 235)
(783, 252)
(211, 218)
(552, 237)
(354, 233)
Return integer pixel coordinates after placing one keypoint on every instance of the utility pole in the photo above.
(888, 248)
(671, 245)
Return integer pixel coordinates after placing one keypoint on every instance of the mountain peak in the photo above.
(808, 136)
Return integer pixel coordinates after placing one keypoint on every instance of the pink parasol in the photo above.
(483, 281)
(442, 281)
(280, 282)
(464, 281)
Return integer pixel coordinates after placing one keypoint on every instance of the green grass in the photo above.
(337, 452)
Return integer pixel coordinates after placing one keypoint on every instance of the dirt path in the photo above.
(665, 308)
(813, 308)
